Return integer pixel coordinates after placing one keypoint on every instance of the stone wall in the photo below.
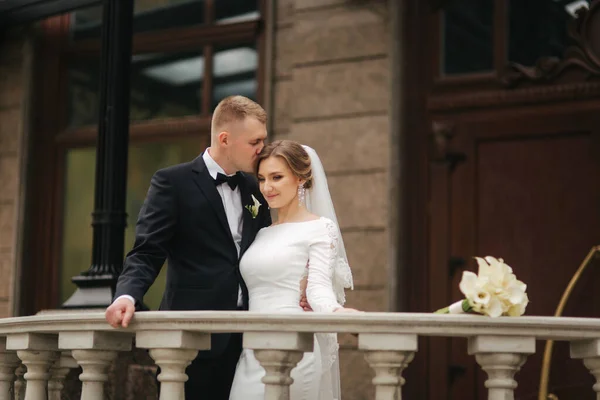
(15, 62)
(332, 93)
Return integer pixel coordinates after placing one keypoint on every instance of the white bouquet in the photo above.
(494, 291)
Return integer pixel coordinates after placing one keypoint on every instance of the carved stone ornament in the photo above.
(582, 58)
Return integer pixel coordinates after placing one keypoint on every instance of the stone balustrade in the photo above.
(37, 352)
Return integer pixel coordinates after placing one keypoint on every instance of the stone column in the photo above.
(58, 374)
(172, 351)
(8, 364)
(388, 354)
(95, 364)
(38, 352)
(278, 353)
(501, 357)
(20, 384)
(94, 352)
(589, 352)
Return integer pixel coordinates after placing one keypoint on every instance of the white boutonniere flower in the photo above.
(254, 208)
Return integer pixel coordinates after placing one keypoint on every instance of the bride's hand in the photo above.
(346, 310)
(303, 300)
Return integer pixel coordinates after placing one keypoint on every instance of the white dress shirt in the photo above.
(232, 202)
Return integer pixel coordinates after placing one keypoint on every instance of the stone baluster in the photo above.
(501, 357)
(8, 364)
(94, 351)
(20, 383)
(172, 351)
(589, 352)
(58, 374)
(38, 352)
(388, 355)
(278, 353)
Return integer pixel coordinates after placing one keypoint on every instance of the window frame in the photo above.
(473, 91)
(475, 80)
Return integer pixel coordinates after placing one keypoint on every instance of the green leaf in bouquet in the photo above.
(466, 306)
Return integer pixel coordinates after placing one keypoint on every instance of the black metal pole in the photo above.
(95, 287)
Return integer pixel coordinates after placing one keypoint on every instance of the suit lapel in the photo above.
(207, 185)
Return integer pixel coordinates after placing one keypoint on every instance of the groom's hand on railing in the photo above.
(119, 313)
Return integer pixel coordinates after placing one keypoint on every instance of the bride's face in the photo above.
(278, 184)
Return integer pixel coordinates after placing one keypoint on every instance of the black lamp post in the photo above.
(95, 287)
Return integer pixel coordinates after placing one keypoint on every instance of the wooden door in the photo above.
(523, 188)
(503, 150)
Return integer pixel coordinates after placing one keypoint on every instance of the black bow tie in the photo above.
(232, 180)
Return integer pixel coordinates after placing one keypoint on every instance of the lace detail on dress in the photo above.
(341, 279)
(341, 274)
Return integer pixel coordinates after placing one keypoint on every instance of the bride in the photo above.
(303, 242)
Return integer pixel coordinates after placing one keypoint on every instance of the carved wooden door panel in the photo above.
(512, 169)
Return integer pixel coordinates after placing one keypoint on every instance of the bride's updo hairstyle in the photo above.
(293, 154)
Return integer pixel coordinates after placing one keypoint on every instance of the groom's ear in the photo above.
(223, 137)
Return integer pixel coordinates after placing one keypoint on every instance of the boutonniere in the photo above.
(254, 208)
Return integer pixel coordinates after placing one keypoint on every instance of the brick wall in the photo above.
(14, 78)
(332, 93)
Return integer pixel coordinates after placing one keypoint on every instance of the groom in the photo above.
(194, 216)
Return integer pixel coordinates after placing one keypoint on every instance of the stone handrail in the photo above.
(51, 343)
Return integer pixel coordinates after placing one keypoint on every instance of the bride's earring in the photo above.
(301, 194)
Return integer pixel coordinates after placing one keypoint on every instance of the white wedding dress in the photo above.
(273, 266)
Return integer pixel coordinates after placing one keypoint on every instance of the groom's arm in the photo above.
(154, 230)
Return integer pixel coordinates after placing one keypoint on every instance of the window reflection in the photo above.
(162, 86)
(234, 72)
(231, 11)
(468, 37)
(166, 85)
(143, 161)
(539, 28)
(150, 15)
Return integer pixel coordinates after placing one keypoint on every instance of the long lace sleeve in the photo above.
(320, 293)
(321, 259)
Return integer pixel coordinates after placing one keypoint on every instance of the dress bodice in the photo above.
(281, 256)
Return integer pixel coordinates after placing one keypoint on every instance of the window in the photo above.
(144, 159)
(483, 36)
(187, 56)
(468, 37)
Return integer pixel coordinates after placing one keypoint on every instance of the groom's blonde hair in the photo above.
(235, 108)
(294, 156)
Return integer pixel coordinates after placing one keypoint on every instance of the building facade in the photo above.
(448, 130)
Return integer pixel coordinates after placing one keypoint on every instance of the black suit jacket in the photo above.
(183, 221)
